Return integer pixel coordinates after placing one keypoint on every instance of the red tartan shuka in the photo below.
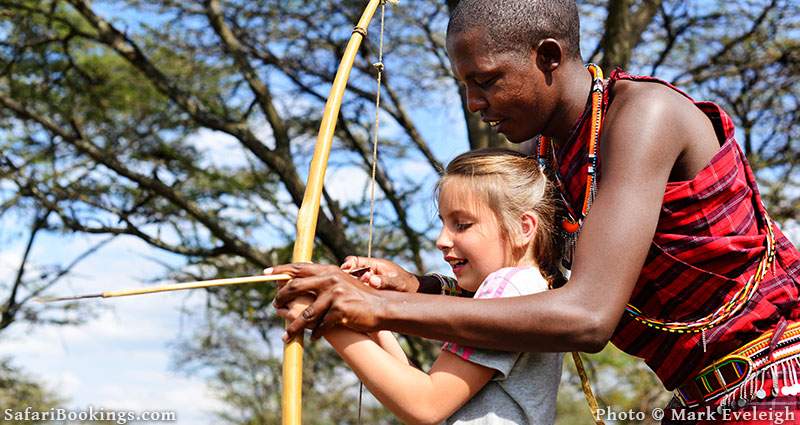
(709, 241)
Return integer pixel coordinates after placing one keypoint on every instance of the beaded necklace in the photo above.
(572, 223)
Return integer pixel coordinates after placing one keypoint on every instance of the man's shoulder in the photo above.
(647, 97)
(642, 116)
(663, 122)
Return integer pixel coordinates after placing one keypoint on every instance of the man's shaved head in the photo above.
(519, 25)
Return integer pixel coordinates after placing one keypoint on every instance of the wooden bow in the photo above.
(309, 210)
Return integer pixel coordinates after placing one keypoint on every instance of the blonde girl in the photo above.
(497, 212)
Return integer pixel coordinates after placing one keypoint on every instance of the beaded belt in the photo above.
(738, 378)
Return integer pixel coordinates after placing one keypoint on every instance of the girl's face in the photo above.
(471, 239)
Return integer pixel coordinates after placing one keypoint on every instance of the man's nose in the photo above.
(475, 101)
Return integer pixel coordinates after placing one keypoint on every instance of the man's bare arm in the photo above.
(641, 143)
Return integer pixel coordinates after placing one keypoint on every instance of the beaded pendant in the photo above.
(573, 222)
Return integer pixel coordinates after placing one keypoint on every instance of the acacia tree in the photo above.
(18, 391)
(102, 105)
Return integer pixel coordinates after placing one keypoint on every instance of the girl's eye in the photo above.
(463, 226)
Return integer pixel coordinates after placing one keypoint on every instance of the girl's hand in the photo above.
(294, 309)
(340, 299)
(382, 274)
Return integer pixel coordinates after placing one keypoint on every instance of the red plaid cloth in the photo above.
(781, 409)
(709, 240)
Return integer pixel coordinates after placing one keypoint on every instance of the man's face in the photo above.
(507, 89)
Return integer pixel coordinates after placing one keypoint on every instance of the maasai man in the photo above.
(676, 262)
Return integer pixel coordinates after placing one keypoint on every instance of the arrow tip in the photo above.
(56, 299)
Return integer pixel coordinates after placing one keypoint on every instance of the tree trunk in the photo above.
(623, 31)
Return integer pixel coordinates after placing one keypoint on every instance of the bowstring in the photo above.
(379, 78)
(379, 67)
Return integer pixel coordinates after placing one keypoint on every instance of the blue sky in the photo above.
(120, 358)
(123, 357)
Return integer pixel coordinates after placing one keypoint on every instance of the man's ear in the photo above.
(529, 224)
(549, 55)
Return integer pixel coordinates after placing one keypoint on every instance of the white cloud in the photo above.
(218, 148)
(120, 359)
(263, 132)
(347, 184)
(67, 383)
(9, 262)
(158, 391)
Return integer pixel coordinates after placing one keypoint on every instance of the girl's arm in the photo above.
(412, 395)
(387, 341)
(610, 252)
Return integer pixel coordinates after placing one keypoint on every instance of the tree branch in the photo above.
(261, 91)
(82, 144)
(716, 57)
(384, 182)
(332, 236)
(12, 305)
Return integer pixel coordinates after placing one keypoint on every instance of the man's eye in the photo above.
(484, 84)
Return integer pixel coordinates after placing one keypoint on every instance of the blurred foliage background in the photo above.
(103, 104)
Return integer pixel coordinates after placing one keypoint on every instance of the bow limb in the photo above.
(309, 210)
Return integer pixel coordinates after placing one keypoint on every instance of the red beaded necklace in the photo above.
(572, 223)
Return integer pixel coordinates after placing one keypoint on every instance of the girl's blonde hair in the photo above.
(512, 184)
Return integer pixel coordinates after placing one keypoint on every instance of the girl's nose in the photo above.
(444, 242)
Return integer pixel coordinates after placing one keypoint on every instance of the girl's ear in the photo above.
(529, 223)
